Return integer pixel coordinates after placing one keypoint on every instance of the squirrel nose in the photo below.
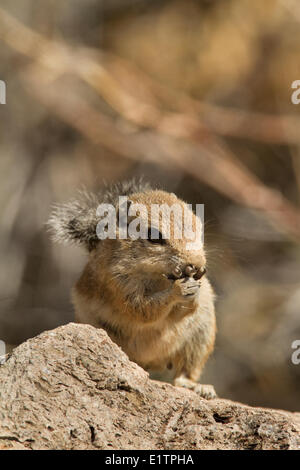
(190, 270)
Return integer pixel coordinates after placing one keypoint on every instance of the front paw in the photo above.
(186, 289)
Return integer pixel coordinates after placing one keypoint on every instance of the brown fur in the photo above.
(125, 289)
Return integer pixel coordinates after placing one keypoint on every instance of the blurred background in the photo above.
(195, 96)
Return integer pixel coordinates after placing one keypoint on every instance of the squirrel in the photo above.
(152, 295)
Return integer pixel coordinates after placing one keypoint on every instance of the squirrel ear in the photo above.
(75, 222)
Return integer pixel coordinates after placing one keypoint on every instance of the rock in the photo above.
(73, 388)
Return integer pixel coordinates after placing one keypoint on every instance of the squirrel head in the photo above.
(159, 234)
(171, 242)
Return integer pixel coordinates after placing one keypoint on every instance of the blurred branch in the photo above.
(180, 136)
(292, 6)
(59, 58)
(232, 122)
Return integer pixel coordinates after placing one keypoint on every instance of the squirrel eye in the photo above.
(199, 273)
(155, 236)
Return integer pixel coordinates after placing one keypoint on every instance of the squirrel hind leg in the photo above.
(203, 390)
(188, 366)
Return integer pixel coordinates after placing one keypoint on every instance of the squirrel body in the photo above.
(151, 296)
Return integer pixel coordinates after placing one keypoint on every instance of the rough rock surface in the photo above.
(72, 388)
